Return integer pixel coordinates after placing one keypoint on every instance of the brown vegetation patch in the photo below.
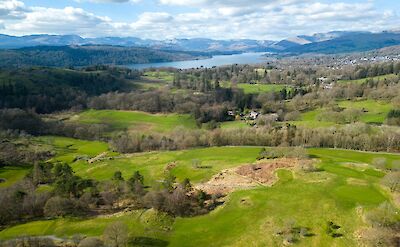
(98, 157)
(171, 166)
(355, 181)
(225, 182)
(359, 166)
(264, 172)
(141, 127)
(248, 176)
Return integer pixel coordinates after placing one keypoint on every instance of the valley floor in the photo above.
(342, 190)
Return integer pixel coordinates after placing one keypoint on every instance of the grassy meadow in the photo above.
(256, 88)
(11, 175)
(159, 76)
(134, 120)
(376, 78)
(260, 88)
(374, 112)
(346, 186)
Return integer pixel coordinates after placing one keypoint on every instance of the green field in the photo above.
(346, 186)
(256, 88)
(163, 76)
(260, 88)
(374, 112)
(153, 165)
(133, 120)
(361, 81)
(309, 119)
(12, 175)
(68, 149)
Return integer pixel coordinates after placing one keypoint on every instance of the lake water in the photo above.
(244, 58)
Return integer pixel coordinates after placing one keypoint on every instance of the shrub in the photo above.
(91, 242)
(116, 234)
(59, 206)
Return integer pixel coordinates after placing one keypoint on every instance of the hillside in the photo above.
(331, 42)
(48, 89)
(65, 56)
(349, 43)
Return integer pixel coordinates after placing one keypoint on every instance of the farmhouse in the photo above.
(231, 113)
(253, 115)
(327, 85)
(323, 79)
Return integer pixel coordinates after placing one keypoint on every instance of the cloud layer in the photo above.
(221, 19)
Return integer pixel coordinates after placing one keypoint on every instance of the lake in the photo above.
(244, 58)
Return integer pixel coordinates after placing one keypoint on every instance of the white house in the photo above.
(254, 115)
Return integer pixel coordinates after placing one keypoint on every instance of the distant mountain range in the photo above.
(332, 42)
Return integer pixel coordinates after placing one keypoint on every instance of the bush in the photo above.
(383, 216)
(59, 206)
(29, 242)
(91, 242)
(283, 152)
(292, 116)
(379, 237)
(379, 163)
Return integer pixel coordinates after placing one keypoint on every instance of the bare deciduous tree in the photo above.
(116, 235)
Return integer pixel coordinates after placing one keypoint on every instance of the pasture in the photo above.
(260, 88)
(375, 78)
(10, 175)
(345, 187)
(162, 76)
(256, 88)
(134, 120)
(373, 112)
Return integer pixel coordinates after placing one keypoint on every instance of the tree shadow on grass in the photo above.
(148, 242)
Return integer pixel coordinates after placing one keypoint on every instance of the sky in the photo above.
(217, 19)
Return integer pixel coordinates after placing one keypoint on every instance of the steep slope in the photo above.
(350, 43)
(64, 56)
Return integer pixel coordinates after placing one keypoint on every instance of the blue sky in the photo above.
(219, 19)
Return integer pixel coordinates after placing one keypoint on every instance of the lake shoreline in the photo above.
(217, 60)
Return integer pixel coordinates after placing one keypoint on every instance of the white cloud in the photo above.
(229, 19)
(12, 9)
(66, 21)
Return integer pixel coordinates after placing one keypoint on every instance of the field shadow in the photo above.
(148, 242)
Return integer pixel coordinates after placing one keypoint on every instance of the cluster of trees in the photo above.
(101, 87)
(12, 154)
(23, 201)
(384, 226)
(372, 70)
(356, 136)
(339, 116)
(204, 107)
(21, 123)
(301, 75)
(393, 117)
(47, 90)
(116, 234)
(74, 196)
